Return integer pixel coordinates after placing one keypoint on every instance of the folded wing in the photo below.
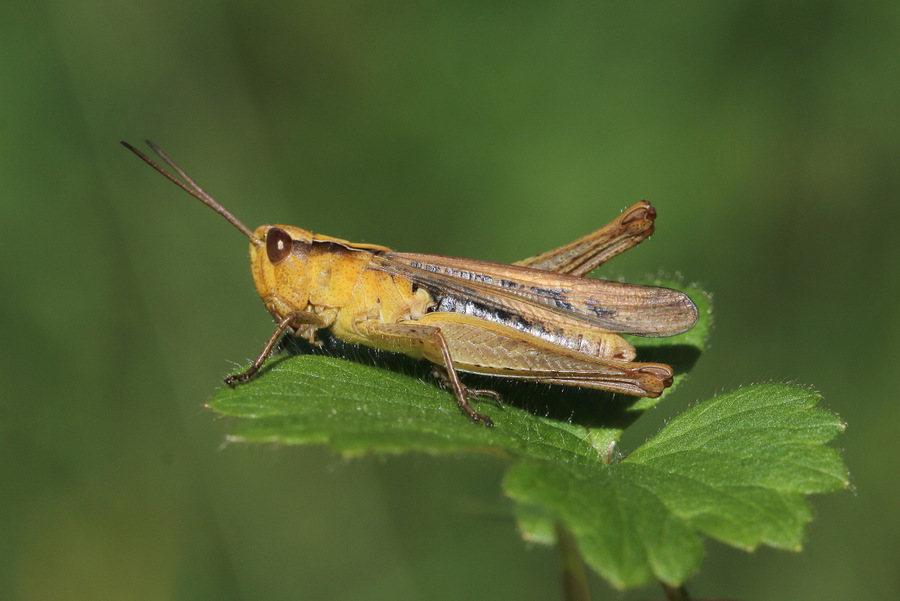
(548, 296)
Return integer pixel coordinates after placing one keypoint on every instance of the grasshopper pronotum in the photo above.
(538, 319)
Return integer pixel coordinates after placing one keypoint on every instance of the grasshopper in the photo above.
(538, 319)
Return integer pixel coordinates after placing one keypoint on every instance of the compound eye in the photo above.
(278, 245)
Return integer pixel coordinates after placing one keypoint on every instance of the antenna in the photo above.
(191, 187)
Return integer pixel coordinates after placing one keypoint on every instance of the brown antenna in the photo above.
(191, 187)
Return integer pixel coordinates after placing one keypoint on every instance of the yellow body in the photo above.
(327, 283)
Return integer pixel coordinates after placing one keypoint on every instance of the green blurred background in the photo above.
(765, 133)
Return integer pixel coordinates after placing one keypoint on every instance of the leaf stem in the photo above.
(573, 575)
(675, 593)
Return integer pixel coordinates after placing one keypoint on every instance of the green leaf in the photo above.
(735, 467)
(358, 408)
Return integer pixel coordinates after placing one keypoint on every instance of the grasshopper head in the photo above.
(279, 259)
